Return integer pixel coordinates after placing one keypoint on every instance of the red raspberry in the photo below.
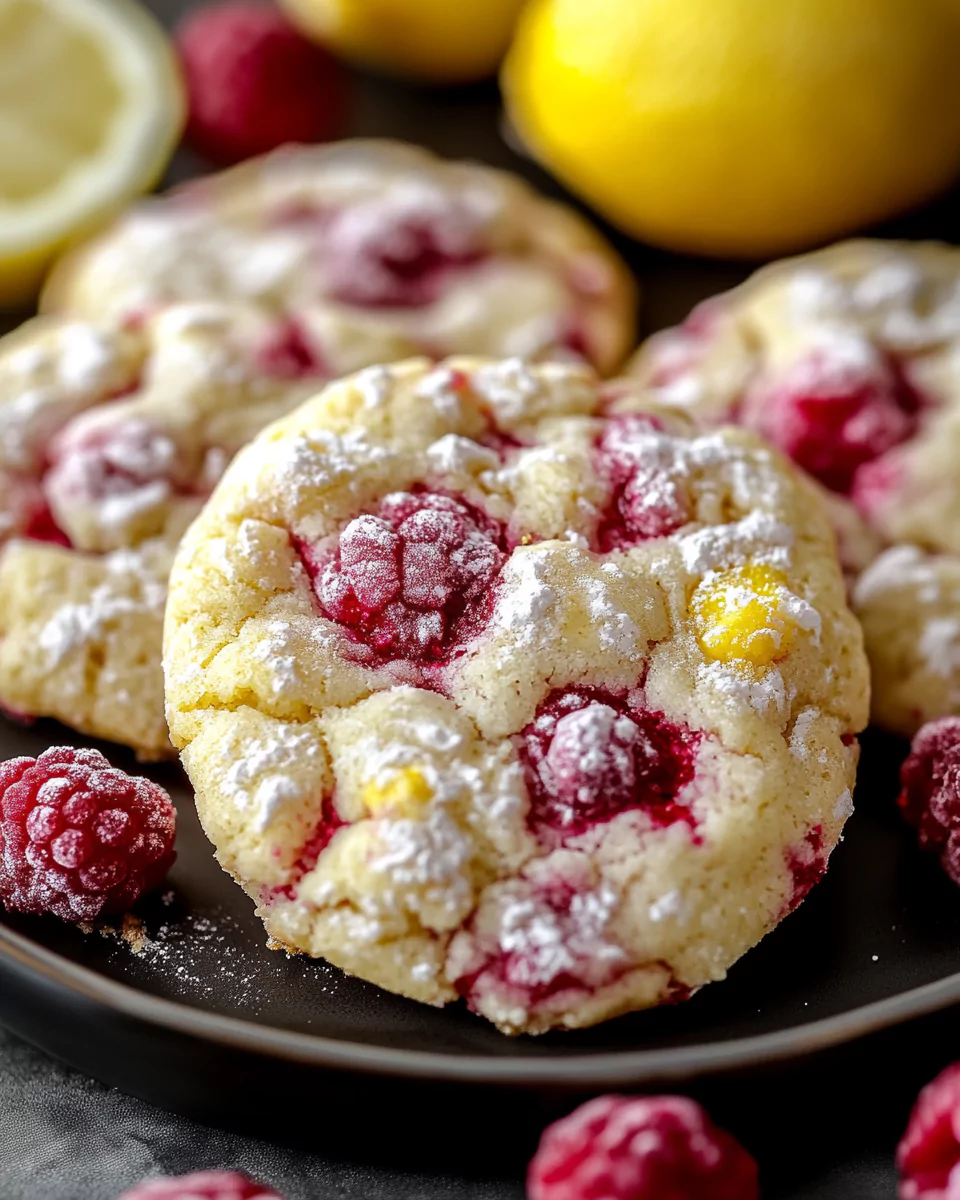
(79, 838)
(807, 863)
(648, 500)
(590, 756)
(398, 250)
(640, 1148)
(412, 581)
(930, 798)
(928, 1156)
(254, 82)
(832, 416)
(202, 1185)
(288, 353)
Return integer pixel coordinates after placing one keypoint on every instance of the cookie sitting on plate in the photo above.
(848, 359)
(375, 250)
(109, 442)
(493, 684)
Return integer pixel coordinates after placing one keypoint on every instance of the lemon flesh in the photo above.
(91, 106)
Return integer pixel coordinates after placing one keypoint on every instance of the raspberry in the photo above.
(832, 416)
(640, 1148)
(253, 82)
(287, 353)
(930, 798)
(202, 1185)
(414, 581)
(648, 498)
(94, 459)
(79, 838)
(398, 250)
(589, 756)
(30, 513)
(807, 864)
(928, 1156)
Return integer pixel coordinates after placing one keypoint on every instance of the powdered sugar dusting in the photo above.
(271, 774)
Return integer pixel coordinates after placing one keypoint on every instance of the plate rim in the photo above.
(589, 1069)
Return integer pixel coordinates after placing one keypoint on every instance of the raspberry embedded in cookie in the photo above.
(928, 1157)
(398, 251)
(807, 865)
(414, 581)
(648, 499)
(94, 462)
(288, 353)
(589, 756)
(832, 416)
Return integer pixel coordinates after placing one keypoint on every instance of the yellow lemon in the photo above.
(432, 40)
(91, 106)
(741, 127)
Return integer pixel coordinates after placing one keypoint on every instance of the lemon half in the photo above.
(91, 106)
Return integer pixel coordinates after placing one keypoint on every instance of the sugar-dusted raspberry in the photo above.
(928, 1156)
(79, 838)
(648, 496)
(640, 1148)
(415, 580)
(202, 1185)
(399, 249)
(833, 414)
(550, 944)
(589, 755)
(930, 796)
(254, 82)
(96, 459)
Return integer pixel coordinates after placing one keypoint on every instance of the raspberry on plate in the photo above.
(928, 1156)
(640, 1148)
(202, 1185)
(930, 798)
(255, 82)
(495, 685)
(79, 838)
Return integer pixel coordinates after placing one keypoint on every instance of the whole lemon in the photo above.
(741, 127)
(434, 40)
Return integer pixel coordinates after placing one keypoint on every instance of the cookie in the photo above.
(908, 602)
(492, 684)
(849, 360)
(375, 250)
(109, 442)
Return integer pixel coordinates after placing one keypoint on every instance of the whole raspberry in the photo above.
(930, 798)
(928, 1156)
(640, 1148)
(202, 1185)
(79, 838)
(253, 82)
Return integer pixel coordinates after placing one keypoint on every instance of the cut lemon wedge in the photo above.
(91, 106)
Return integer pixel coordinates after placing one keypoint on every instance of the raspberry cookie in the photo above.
(849, 360)
(376, 250)
(109, 442)
(492, 684)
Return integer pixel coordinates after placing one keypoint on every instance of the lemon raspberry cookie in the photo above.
(849, 360)
(109, 442)
(375, 250)
(492, 684)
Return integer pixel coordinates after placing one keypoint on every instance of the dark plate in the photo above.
(185, 1022)
(876, 943)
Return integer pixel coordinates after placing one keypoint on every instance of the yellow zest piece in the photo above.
(405, 794)
(740, 616)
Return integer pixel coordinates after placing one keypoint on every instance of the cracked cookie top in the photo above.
(493, 682)
(110, 440)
